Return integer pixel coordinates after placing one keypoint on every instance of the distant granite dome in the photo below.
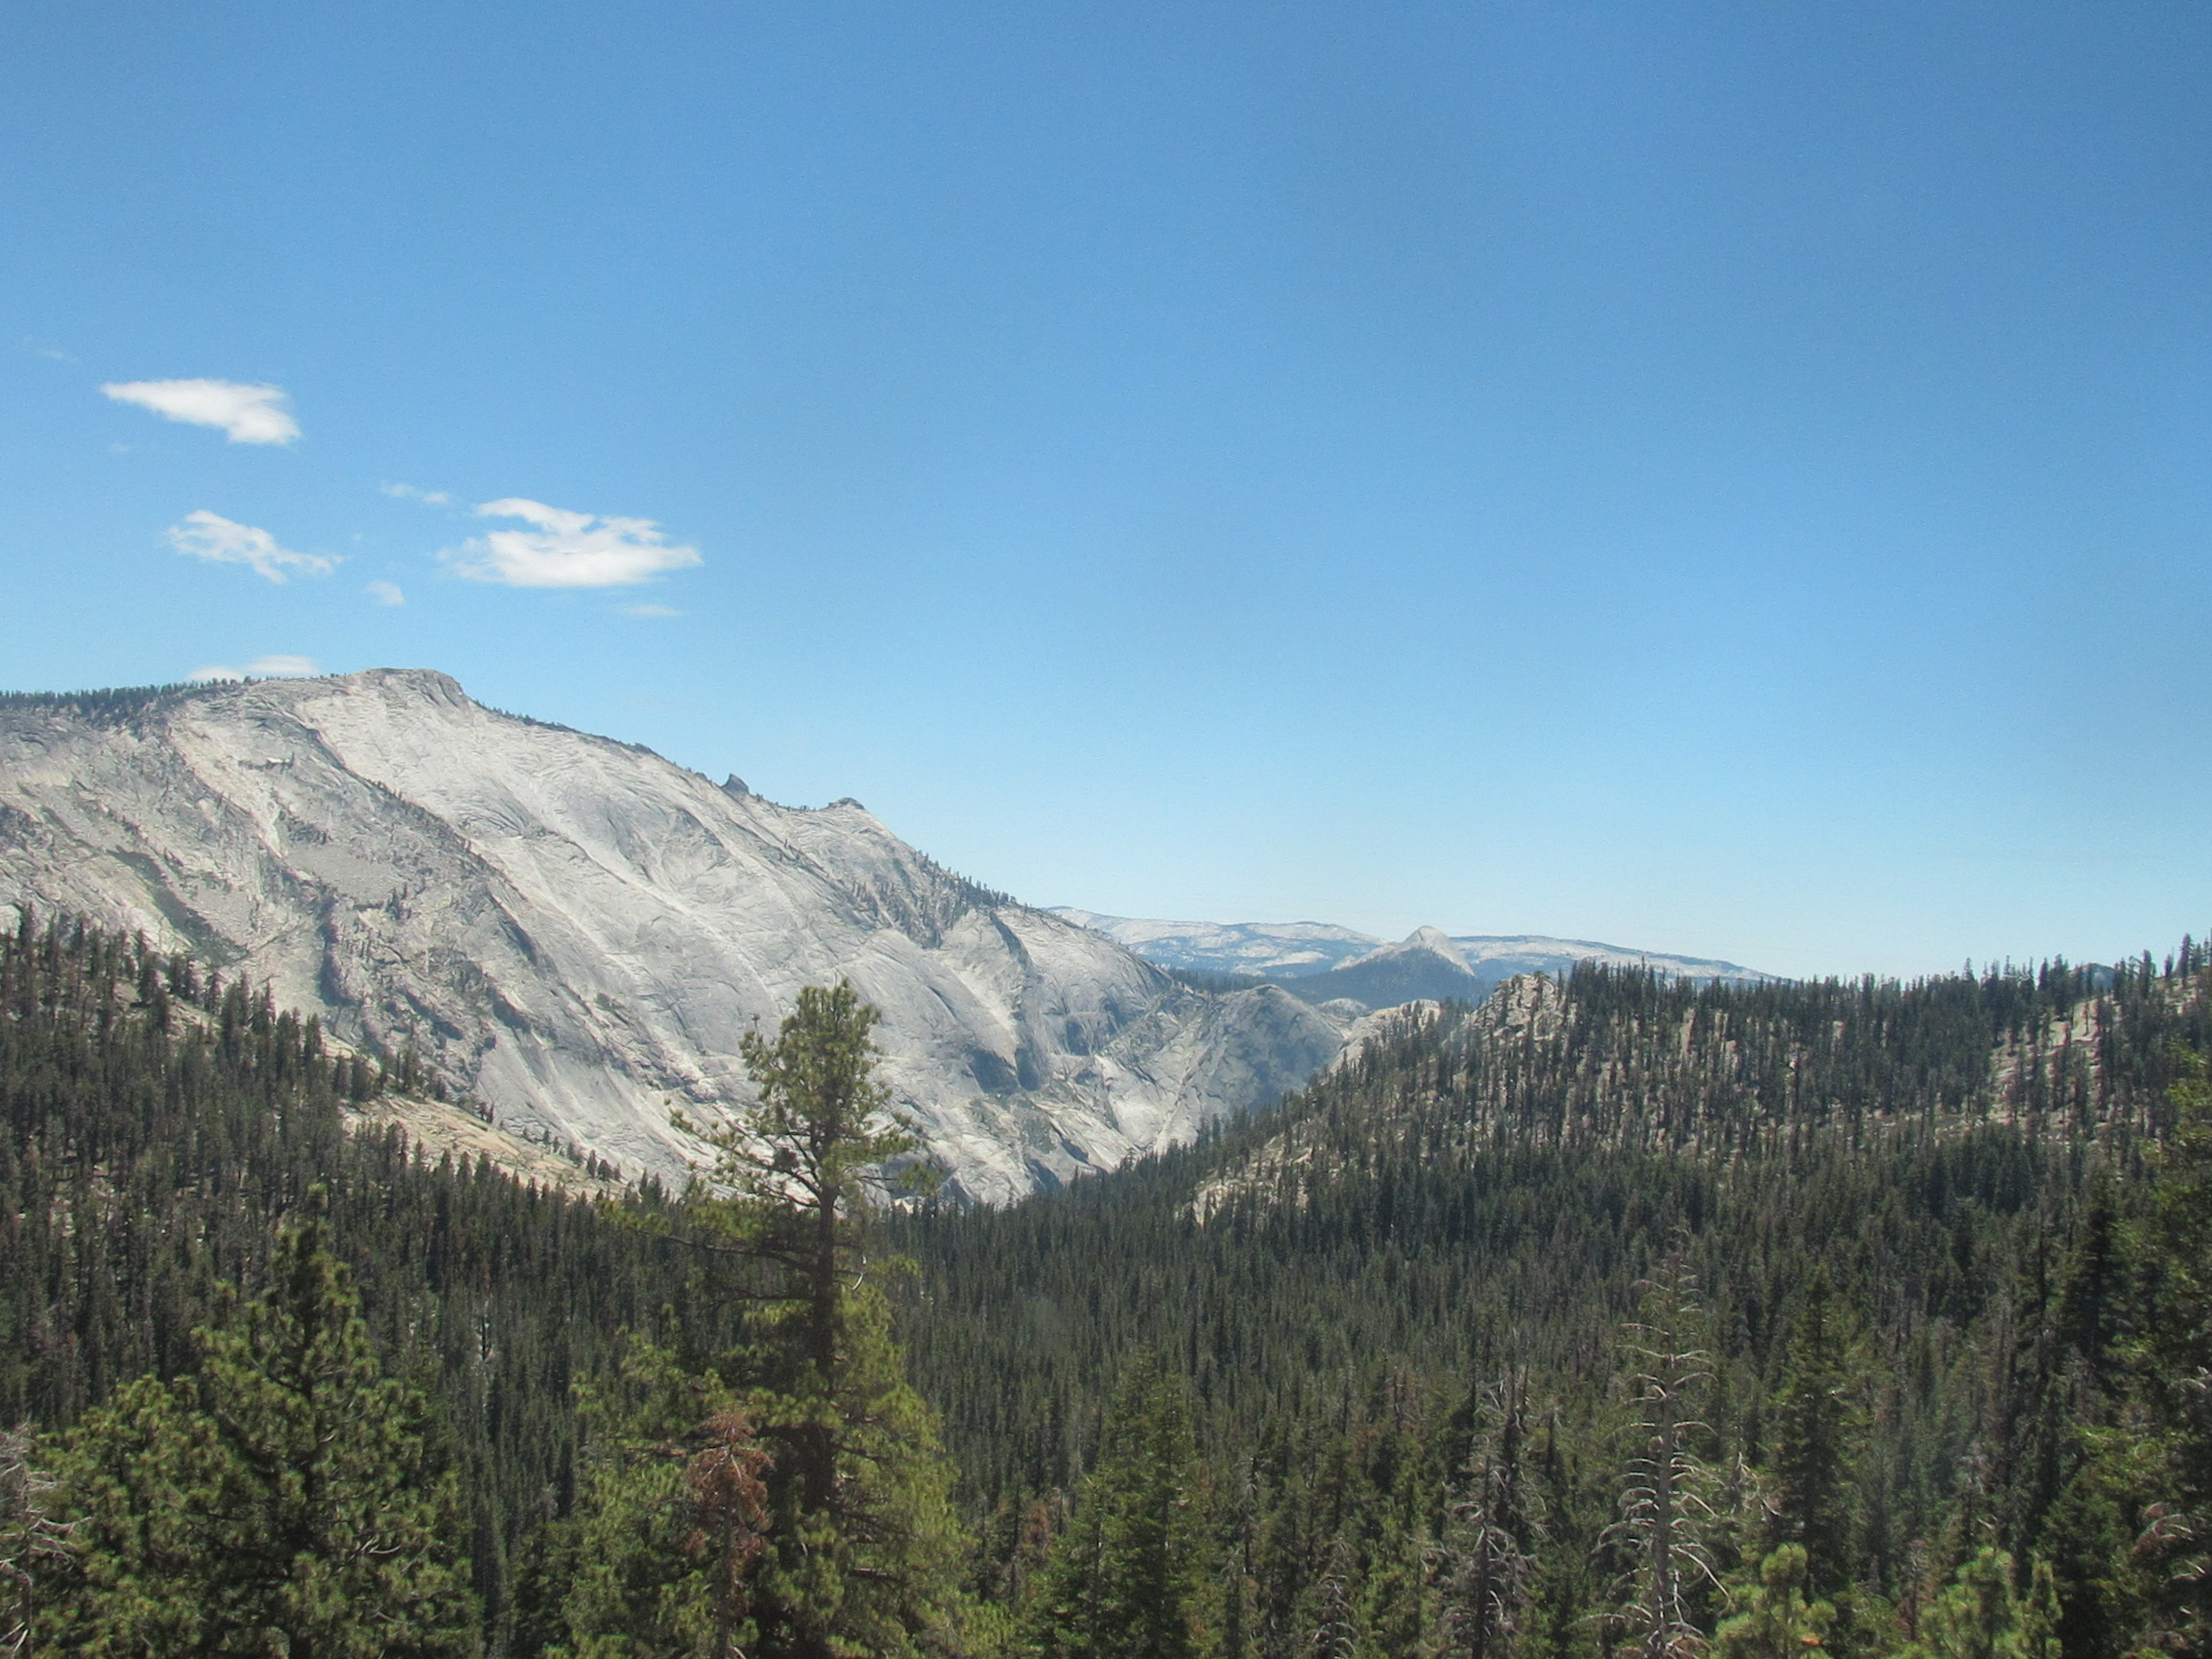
(580, 932)
(1324, 964)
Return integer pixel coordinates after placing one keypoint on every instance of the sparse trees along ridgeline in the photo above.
(1616, 1318)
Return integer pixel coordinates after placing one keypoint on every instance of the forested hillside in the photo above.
(286, 1390)
(1905, 1231)
(160, 1121)
(1614, 1314)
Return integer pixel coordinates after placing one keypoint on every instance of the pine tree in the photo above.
(1393, 1610)
(1126, 1578)
(1814, 1438)
(1780, 1621)
(1979, 1615)
(658, 1561)
(2035, 1633)
(2177, 1366)
(1335, 1620)
(287, 1499)
(34, 1539)
(865, 1551)
(1484, 1564)
(1667, 1518)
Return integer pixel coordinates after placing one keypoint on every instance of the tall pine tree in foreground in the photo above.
(288, 1499)
(865, 1555)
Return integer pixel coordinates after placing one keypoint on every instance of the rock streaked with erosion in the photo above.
(580, 932)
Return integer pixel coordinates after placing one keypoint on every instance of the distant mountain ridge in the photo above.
(1319, 962)
(580, 932)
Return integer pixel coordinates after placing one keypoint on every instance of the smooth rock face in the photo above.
(580, 932)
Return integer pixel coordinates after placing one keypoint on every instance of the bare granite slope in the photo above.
(580, 932)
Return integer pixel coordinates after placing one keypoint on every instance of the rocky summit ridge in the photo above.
(1320, 961)
(579, 932)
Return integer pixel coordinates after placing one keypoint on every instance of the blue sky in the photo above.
(1730, 478)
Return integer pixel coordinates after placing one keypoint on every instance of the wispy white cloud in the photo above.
(247, 414)
(221, 541)
(279, 667)
(565, 549)
(385, 592)
(648, 610)
(428, 497)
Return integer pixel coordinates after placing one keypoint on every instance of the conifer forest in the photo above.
(1618, 1317)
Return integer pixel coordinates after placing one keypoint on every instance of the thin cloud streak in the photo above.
(245, 414)
(222, 541)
